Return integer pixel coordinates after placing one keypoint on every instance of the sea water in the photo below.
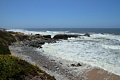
(101, 49)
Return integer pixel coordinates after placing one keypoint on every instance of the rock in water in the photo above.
(47, 36)
(86, 34)
(78, 64)
(60, 36)
(72, 65)
(72, 35)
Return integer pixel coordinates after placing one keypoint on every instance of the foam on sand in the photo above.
(98, 51)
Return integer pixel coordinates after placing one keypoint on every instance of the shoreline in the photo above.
(59, 68)
(52, 66)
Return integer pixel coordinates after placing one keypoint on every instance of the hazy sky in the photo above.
(59, 13)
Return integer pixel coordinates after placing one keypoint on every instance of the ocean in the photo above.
(101, 49)
(80, 30)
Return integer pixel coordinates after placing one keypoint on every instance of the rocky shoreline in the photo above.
(37, 40)
(25, 48)
(60, 69)
(28, 48)
(14, 68)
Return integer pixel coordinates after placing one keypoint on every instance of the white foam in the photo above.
(52, 33)
(111, 46)
(86, 51)
(106, 36)
(99, 50)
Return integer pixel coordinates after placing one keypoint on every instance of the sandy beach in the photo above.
(59, 68)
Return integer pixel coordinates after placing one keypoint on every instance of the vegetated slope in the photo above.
(17, 69)
(13, 68)
(5, 40)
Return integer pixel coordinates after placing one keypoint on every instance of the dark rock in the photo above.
(46, 36)
(78, 64)
(60, 36)
(86, 34)
(36, 44)
(37, 36)
(71, 35)
(66, 36)
(72, 65)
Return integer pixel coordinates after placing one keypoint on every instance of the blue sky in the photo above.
(60, 13)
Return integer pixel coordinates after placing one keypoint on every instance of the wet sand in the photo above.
(59, 68)
(99, 74)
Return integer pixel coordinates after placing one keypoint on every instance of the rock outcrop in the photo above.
(22, 37)
(38, 40)
(72, 35)
(46, 36)
(37, 43)
(60, 36)
(66, 36)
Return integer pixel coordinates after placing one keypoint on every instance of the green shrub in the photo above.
(7, 36)
(5, 40)
(4, 49)
(12, 68)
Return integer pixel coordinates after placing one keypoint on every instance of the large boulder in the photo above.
(65, 36)
(72, 35)
(60, 36)
(46, 36)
